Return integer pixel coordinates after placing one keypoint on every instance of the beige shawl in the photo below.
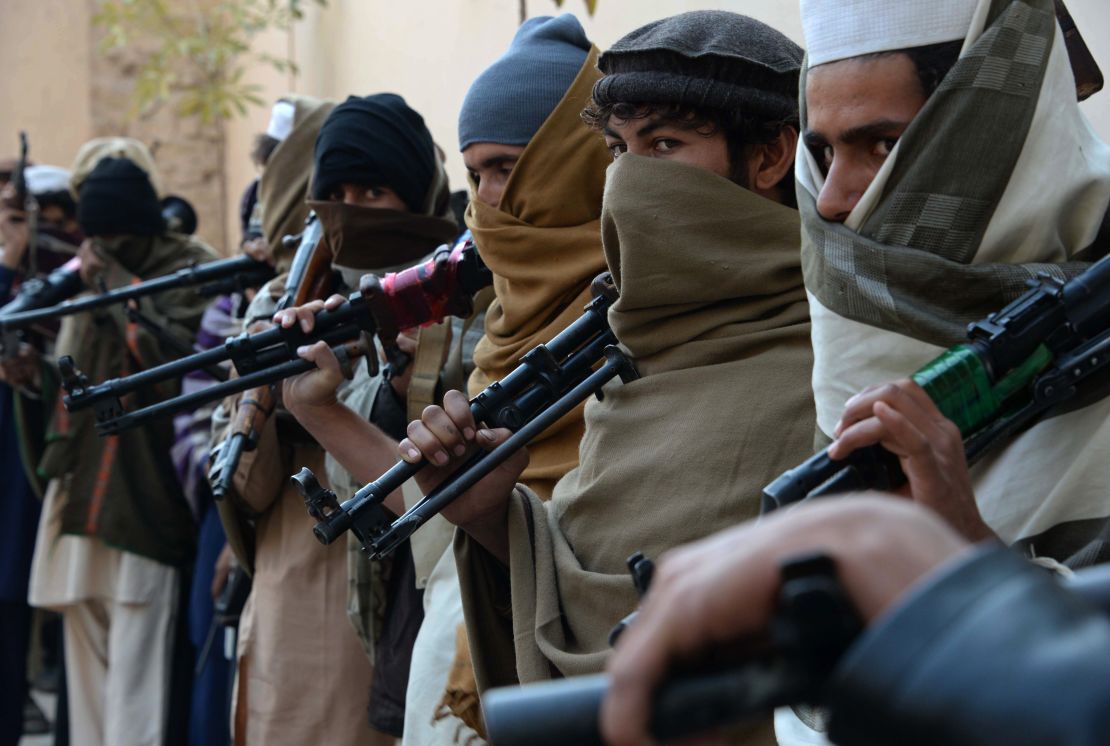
(713, 311)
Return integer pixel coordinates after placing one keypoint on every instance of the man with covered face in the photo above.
(116, 531)
(54, 240)
(381, 195)
(699, 111)
(926, 205)
(946, 162)
(537, 176)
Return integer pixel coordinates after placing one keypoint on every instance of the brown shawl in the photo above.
(285, 182)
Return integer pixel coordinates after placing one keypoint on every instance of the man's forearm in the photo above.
(359, 446)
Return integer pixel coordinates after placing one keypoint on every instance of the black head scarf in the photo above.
(117, 199)
(376, 141)
(710, 59)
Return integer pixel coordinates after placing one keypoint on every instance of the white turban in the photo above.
(281, 120)
(840, 29)
(46, 179)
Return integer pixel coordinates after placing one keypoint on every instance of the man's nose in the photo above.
(488, 194)
(351, 196)
(842, 190)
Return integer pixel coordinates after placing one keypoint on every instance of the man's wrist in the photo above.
(492, 532)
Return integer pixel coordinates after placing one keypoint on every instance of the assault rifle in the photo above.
(39, 292)
(1036, 354)
(551, 380)
(23, 200)
(214, 278)
(813, 626)
(442, 286)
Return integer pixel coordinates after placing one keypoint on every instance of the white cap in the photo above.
(841, 29)
(281, 120)
(44, 179)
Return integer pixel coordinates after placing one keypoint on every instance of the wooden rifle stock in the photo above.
(310, 278)
(1088, 76)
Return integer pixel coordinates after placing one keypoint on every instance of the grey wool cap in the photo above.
(512, 98)
(709, 59)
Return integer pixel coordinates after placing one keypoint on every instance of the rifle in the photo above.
(22, 199)
(813, 626)
(1033, 356)
(442, 286)
(215, 278)
(309, 273)
(550, 381)
(39, 292)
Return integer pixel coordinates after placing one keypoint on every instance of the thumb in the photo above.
(491, 438)
(323, 356)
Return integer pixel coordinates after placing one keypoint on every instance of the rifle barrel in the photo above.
(195, 275)
(475, 470)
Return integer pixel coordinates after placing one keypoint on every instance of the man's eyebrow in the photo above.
(878, 129)
(649, 127)
(498, 160)
(814, 139)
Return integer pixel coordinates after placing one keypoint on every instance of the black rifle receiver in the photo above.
(551, 380)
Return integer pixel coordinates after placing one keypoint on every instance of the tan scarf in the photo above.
(713, 311)
(543, 245)
(284, 184)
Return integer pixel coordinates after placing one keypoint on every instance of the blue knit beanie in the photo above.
(512, 98)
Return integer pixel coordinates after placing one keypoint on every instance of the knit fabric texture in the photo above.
(706, 59)
(117, 199)
(513, 97)
(376, 141)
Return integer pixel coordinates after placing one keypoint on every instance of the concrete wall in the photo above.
(55, 84)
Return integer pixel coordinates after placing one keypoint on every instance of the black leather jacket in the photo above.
(990, 651)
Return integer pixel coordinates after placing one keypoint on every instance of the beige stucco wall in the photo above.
(430, 50)
(55, 84)
(44, 77)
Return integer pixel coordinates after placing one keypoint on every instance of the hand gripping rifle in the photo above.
(382, 306)
(551, 380)
(813, 626)
(1044, 349)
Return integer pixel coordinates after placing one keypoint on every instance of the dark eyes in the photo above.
(884, 147)
(824, 154)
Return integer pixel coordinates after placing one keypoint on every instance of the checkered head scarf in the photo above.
(998, 177)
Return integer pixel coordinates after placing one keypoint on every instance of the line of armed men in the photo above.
(524, 463)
